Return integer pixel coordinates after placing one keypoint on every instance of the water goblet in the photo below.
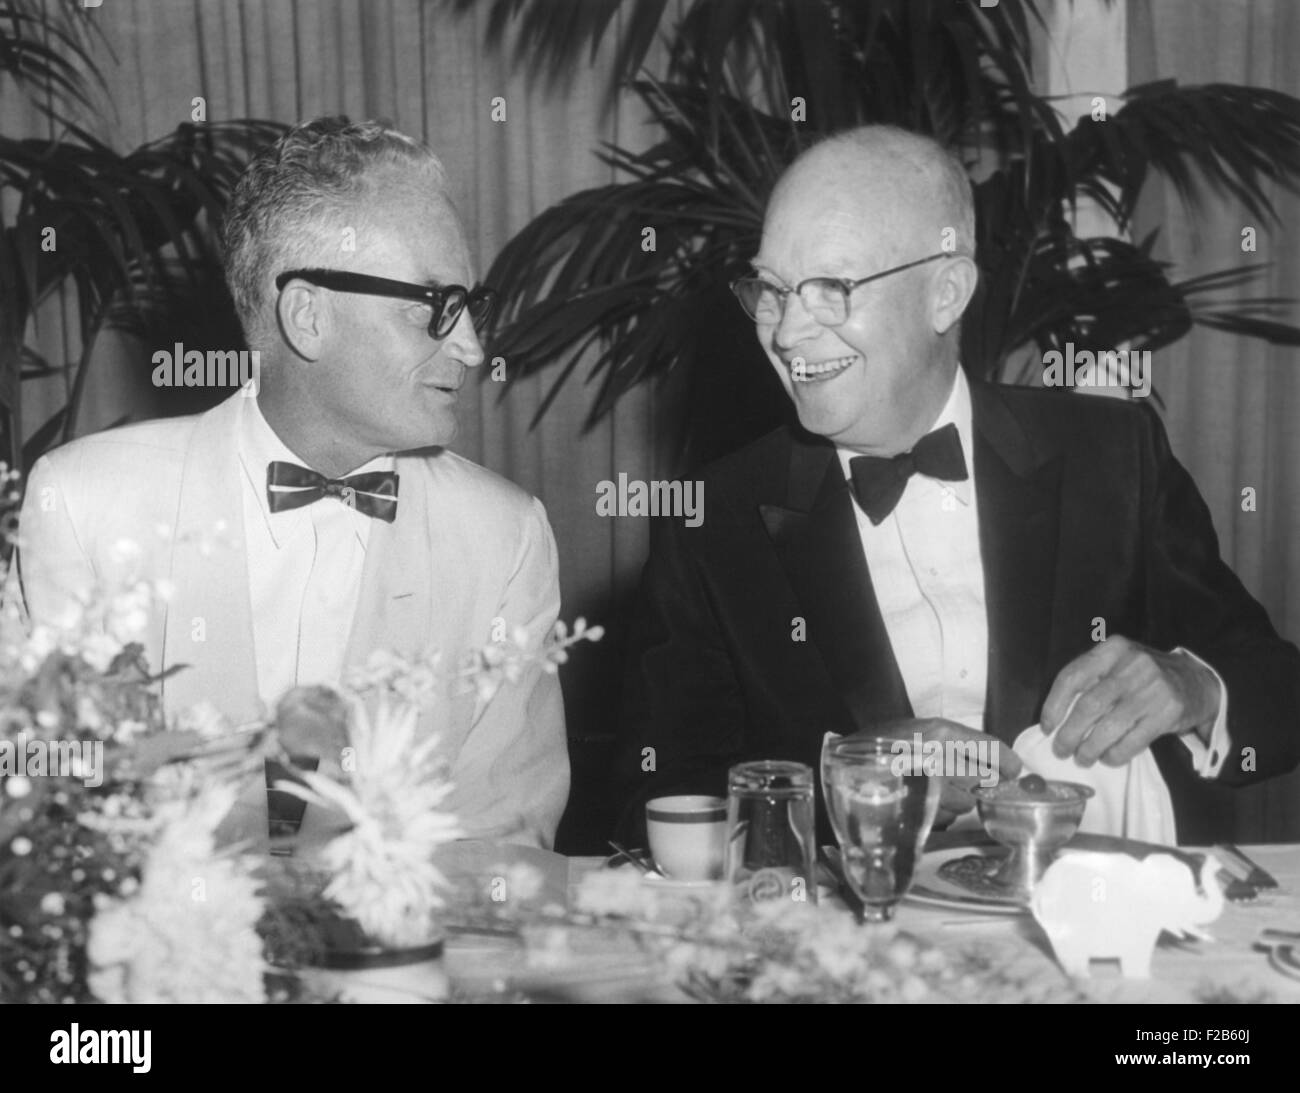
(881, 807)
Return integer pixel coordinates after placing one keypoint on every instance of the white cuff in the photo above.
(1207, 761)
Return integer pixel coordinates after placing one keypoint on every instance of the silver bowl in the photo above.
(1032, 824)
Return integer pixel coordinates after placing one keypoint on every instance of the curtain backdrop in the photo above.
(1231, 404)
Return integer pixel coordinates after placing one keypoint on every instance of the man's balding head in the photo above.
(858, 204)
(921, 180)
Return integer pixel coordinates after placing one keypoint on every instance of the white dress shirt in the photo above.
(928, 575)
(304, 569)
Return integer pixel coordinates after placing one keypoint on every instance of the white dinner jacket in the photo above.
(466, 548)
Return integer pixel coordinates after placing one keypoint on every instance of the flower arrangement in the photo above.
(778, 951)
(81, 735)
(112, 885)
(380, 872)
(188, 932)
(117, 883)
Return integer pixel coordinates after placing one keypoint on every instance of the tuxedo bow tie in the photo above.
(878, 483)
(371, 494)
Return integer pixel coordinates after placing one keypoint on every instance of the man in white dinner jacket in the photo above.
(322, 520)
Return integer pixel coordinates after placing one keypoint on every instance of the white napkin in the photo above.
(1131, 801)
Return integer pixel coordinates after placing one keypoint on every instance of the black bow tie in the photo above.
(371, 494)
(878, 483)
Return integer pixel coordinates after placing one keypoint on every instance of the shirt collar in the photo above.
(956, 411)
(259, 446)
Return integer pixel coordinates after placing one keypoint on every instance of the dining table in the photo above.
(1231, 966)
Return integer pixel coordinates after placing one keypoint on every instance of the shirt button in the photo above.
(933, 572)
(963, 673)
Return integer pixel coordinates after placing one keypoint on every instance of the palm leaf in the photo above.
(576, 277)
(1241, 141)
(48, 50)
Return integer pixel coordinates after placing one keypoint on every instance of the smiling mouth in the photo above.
(802, 371)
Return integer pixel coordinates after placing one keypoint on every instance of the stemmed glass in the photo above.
(882, 808)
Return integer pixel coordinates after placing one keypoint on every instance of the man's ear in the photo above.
(951, 291)
(301, 315)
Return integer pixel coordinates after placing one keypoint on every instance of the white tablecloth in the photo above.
(1179, 974)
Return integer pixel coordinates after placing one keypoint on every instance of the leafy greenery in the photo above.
(128, 232)
(577, 279)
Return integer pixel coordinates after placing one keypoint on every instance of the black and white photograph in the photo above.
(651, 501)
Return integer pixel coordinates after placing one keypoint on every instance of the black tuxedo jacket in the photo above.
(1083, 514)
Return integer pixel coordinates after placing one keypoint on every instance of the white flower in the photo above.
(188, 933)
(128, 729)
(52, 903)
(17, 786)
(123, 551)
(204, 719)
(21, 846)
(88, 715)
(99, 650)
(381, 870)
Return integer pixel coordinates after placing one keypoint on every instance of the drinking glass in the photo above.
(771, 849)
(881, 807)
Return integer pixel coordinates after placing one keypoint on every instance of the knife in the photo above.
(1255, 875)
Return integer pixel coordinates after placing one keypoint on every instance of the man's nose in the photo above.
(463, 343)
(796, 325)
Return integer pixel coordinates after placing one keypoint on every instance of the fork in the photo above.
(644, 867)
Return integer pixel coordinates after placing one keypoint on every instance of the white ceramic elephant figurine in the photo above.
(1103, 906)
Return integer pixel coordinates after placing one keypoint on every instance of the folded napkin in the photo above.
(1131, 801)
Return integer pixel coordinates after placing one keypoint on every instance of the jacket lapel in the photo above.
(816, 537)
(1018, 487)
(209, 625)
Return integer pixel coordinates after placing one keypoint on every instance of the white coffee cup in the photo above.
(688, 836)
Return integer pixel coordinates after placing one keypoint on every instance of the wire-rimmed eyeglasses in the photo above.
(826, 298)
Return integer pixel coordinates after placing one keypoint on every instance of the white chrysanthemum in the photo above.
(188, 933)
(204, 719)
(381, 870)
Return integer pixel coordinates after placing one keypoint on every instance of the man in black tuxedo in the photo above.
(854, 571)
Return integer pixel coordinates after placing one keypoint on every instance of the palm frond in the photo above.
(1241, 141)
(49, 51)
(125, 229)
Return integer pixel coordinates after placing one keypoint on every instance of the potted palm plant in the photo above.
(748, 85)
(126, 232)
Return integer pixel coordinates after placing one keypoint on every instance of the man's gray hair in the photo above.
(295, 201)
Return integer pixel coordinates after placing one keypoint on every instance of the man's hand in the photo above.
(956, 797)
(1128, 696)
